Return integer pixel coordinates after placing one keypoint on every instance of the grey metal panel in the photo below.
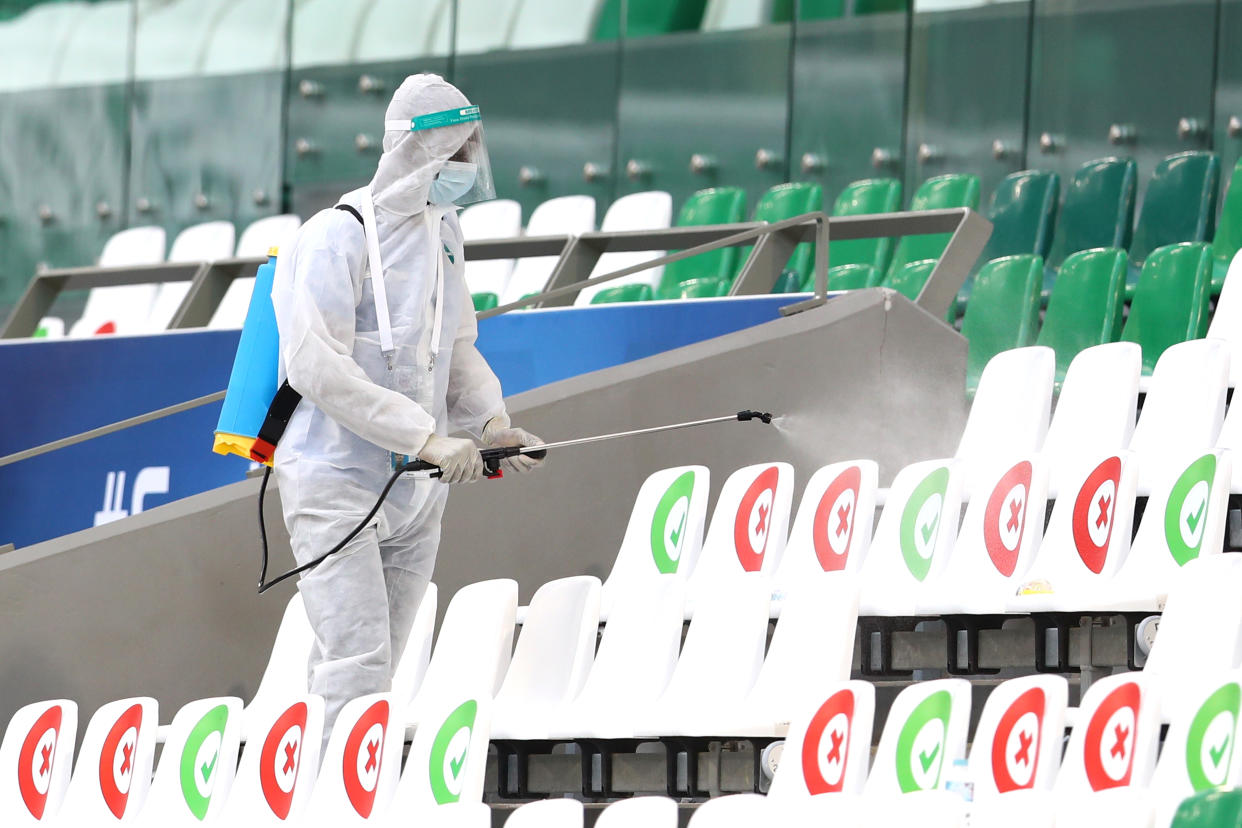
(164, 602)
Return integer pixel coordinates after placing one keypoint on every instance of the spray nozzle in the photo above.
(743, 416)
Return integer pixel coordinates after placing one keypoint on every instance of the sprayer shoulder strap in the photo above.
(352, 211)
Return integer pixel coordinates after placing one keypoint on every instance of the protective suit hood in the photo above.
(411, 159)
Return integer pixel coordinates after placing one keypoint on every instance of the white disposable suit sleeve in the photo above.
(316, 290)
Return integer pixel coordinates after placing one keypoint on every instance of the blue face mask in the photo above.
(454, 181)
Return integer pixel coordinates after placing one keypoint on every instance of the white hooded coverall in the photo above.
(358, 403)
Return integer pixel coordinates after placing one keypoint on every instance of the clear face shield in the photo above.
(466, 177)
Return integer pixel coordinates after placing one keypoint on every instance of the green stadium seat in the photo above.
(1023, 212)
(1171, 300)
(784, 201)
(871, 195)
(1098, 209)
(625, 293)
(821, 9)
(1003, 312)
(485, 301)
(704, 288)
(1228, 237)
(645, 18)
(908, 280)
(1215, 808)
(720, 205)
(1179, 205)
(851, 277)
(1085, 307)
(788, 282)
(941, 192)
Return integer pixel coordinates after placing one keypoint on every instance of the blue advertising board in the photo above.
(56, 388)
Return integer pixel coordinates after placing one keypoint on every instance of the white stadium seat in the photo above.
(278, 767)
(113, 770)
(547, 813)
(639, 812)
(410, 666)
(197, 765)
(913, 539)
(1113, 743)
(564, 216)
(36, 760)
(204, 242)
(828, 748)
(474, 645)
(497, 219)
(255, 242)
(361, 765)
(652, 210)
(1231, 438)
(123, 309)
(284, 679)
(749, 527)
(1017, 744)
(551, 660)
(637, 655)
(745, 810)
(832, 529)
(664, 535)
(1226, 322)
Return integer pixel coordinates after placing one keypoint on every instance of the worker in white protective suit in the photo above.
(377, 333)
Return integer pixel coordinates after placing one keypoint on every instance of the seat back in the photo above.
(784, 201)
(36, 759)
(718, 205)
(1227, 319)
(865, 197)
(1088, 534)
(832, 530)
(278, 766)
(123, 309)
(285, 677)
(498, 219)
(811, 648)
(637, 655)
(256, 240)
(1098, 209)
(113, 772)
(1010, 412)
(639, 812)
(1023, 212)
(1231, 438)
(645, 18)
(938, 193)
(1198, 752)
(829, 743)
(566, 215)
(909, 278)
(447, 760)
(197, 764)
(204, 242)
(851, 276)
(1202, 595)
(543, 23)
(547, 813)
(361, 763)
(1171, 301)
(1085, 307)
(1095, 412)
(1213, 808)
(623, 293)
(999, 539)
(474, 644)
(412, 661)
(749, 527)
(1179, 204)
(1003, 312)
(913, 538)
(552, 658)
(1017, 744)
(664, 534)
(1184, 408)
(1228, 238)
(924, 733)
(651, 210)
(1113, 743)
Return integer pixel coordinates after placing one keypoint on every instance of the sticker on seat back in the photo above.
(1185, 515)
(118, 758)
(37, 760)
(1094, 508)
(200, 760)
(825, 746)
(670, 523)
(450, 751)
(364, 752)
(1016, 743)
(1210, 738)
(920, 522)
(281, 759)
(832, 531)
(753, 523)
(1004, 519)
(1108, 749)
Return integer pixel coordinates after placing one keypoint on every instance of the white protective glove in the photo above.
(459, 460)
(498, 433)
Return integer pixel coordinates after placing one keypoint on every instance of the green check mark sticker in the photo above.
(1184, 526)
(449, 752)
(919, 521)
(920, 745)
(1211, 736)
(668, 526)
(199, 758)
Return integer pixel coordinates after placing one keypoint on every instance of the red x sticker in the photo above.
(1015, 745)
(282, 758)
(36, 759)
(364, 751)
(118, 758)
(825, 747)
(754, 520)
(833, 529)
(1093, 513)
(1108, 750)
(1005, 518)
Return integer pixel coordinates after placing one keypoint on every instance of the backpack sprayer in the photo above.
(492, 457)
